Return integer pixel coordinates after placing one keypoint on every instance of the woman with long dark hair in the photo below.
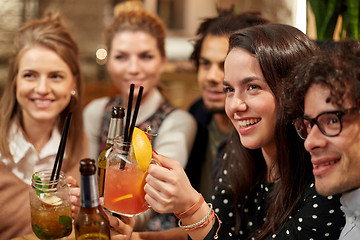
(265, 189)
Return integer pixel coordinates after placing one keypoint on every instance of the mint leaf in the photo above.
(39, 231)
(38, 185)
(67, 222)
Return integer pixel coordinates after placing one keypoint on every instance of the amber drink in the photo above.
(50, 206)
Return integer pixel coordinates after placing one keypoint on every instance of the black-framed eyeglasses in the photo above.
(329, 123)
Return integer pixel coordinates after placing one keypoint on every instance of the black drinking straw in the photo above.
(129, 131)
(137, 106)
(61, 150)
(128, 114)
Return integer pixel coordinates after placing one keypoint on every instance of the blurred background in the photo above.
(87, 19)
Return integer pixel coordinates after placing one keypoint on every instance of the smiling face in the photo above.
(211, 72)
(135, 58)
(336, 160)
(43, 85)
(250, 104)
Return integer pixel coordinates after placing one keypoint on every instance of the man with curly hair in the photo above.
(325, 103)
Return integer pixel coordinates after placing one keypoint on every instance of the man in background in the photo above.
(214, 127)
(327, 89)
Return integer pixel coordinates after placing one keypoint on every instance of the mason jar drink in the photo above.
(50, 206)
(124, 181)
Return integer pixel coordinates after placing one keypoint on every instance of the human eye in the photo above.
(252, 87)
(329, 120)
(146, 56)
(119, 57)
(204, 63)
(28, 75)
(56, 76)
(228, 89)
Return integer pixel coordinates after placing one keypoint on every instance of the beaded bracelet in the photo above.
(192, 209)
(192, 226)
(207, 221)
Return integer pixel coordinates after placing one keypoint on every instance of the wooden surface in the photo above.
(32, 236)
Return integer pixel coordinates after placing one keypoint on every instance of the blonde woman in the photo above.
(44, 85)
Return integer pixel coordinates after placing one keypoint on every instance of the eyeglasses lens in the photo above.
(300, 127)
(329, 124)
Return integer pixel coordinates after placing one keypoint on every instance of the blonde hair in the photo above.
(131, 16)
(48, 32)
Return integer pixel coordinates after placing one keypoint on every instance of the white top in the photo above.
(351, 207)
(174, 138)
(26, 161)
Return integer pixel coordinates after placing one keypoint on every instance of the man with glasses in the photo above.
(325, 103)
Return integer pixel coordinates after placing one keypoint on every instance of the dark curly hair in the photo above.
(224, 24)
(339, 70)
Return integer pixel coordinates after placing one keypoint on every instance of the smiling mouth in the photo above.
(325, 164)
(42, 102)
(249, 122)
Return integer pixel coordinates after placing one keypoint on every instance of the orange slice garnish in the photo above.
(123, 197)
(142, 148)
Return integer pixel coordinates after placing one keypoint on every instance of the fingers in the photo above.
(121, 229)
(101, 201)
(75, 201)
(167, 187)
(164, 161)
(71, 181)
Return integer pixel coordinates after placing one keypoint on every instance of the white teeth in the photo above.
(37, 101)
(246, 123)
(325, 164)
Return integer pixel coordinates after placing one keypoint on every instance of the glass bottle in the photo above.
(50, 206)
(91, 222)
(115, 129)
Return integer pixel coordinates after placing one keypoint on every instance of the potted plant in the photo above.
(329, 12)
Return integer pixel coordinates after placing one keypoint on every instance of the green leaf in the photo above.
(326, 15)
(351, 19)
(39, 231)
(38, 185)
(67, 222)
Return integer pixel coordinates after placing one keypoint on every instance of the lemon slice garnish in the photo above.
(50, 200)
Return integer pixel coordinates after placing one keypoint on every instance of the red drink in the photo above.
(124, 189)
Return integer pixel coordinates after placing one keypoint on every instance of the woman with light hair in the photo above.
(44, 85)
(135, 42)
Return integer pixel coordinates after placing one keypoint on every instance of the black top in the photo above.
(197, 155)
(318, 217)
(200, 169)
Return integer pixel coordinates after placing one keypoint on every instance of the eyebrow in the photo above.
(244, 81)
(207, 60)
(203, 58)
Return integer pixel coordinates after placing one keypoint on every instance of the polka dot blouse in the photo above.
(318, 217)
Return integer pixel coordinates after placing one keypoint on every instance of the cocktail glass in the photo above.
(50, 206)
(124, 181)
